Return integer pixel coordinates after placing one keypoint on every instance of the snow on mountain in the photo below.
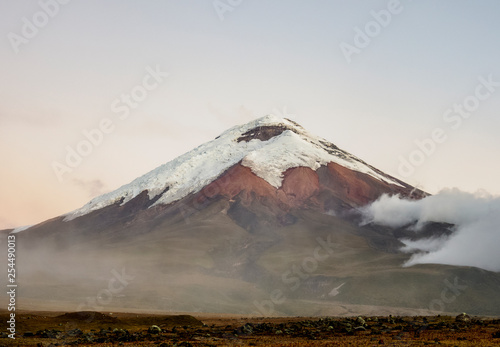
(267, 158)
(19, 229)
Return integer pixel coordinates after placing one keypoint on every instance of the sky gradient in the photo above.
(420, 83)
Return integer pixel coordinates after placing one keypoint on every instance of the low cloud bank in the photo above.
(474, 242)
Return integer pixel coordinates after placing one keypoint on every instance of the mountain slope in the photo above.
(260, 220)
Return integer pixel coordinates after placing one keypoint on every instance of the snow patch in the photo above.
(18, 229)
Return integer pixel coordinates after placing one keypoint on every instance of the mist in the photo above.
(476, 233)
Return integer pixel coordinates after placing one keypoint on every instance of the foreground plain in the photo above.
(130, 329)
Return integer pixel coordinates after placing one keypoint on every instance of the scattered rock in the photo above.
(360, 321)
(246, 329)
(47, 334)
(462, 318)
(74, 332)
(154, 329)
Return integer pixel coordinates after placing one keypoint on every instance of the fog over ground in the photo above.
(476, 217)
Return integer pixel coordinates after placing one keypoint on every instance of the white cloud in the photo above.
(426, 245)
(476, 237)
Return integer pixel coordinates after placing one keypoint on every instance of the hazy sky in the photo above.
(158, 78)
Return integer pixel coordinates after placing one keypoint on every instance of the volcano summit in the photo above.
(272, 158)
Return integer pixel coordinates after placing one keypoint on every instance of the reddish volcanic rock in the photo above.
(331, 187)
(299, 184)
(235, 180)
(352, 186)
(357, 188)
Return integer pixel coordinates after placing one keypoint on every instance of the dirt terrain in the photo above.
(130, 329)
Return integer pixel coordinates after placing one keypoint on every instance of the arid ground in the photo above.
(130, 329)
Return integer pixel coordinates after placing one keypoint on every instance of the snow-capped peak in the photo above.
(268, 146)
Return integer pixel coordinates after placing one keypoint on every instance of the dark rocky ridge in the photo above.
(264, 133)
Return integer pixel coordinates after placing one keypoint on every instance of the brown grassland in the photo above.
(130, 329)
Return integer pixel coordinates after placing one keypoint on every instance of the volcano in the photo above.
(261, 220)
